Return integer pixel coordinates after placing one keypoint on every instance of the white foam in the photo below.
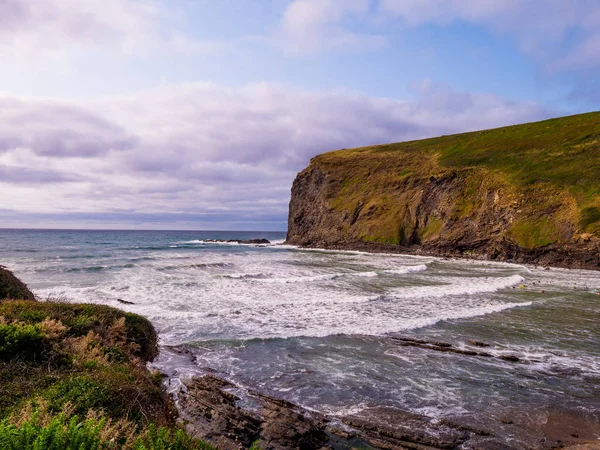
(268, 293)
(461, 286)
(405, 270)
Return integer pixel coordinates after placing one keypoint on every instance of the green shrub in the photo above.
(20, 339)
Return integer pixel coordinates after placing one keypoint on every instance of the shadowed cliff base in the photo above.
(526, 193)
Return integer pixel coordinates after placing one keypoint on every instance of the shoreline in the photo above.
(455, 253)
(215, 407)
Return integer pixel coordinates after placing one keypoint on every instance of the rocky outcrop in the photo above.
(211, 410)
(11, 288)
(260, 241)
(429, 199)
(213, 413)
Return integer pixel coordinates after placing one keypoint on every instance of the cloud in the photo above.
(199, 149)
(312, 26)
(560, 35)
(57, 129)
(51, 32)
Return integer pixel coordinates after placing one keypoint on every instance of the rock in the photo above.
(478, 343)
(511, 358)
(11, 288)
(125, 302)
(286, 426)
(391, 428)
(213, 414)
(250, 241)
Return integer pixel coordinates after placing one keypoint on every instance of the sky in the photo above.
(198, 114)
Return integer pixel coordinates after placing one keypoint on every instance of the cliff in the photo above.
(527, 193)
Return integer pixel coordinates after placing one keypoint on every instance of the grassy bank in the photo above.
(74, 376)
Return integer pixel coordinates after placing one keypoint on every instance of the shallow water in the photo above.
(314, 326)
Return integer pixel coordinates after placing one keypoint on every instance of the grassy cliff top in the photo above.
(551, 158)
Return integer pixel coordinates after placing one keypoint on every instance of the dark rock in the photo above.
(511, 358)
(212, 413)
(478, 343)
(125, 302)
(11, 288)
(391, 428)
(287, 426)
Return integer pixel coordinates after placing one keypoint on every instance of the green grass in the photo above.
(549, 168)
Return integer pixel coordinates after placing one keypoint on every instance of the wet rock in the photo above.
(241, 241)
(511, 358)
(125, 302)
(213, 414)
(479, 343)
(390, 428)
(286, 426)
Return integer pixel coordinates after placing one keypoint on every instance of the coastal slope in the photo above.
(527, 193)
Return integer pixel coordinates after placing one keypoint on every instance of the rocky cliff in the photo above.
(527, 193)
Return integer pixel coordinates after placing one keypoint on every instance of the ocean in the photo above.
(318, 327)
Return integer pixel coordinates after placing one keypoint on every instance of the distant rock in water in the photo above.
(525, 194)
(241, 241)
(11, 288)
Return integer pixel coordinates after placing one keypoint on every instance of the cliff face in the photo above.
(527, 193)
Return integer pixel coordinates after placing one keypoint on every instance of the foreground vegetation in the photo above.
(74, 376)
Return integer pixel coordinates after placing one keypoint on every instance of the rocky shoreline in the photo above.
(235, 417)
(551, 256)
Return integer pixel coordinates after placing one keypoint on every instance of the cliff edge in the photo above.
(527, 193)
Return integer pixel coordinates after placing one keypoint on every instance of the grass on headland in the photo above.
(74, 376)
(548, 172)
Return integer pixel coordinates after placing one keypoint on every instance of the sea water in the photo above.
(315, 327)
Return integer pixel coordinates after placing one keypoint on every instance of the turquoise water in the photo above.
(315, 327)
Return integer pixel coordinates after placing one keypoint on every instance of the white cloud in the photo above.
(51, 32)
(202, 148)
(311, 26)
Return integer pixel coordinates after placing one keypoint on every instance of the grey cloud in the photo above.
(197, 148)
(57, 129)
(25, 175)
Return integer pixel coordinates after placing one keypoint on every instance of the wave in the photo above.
(239, 276)
(465, 286)
(333, 276)
(87, 269)
(405, 270)
(99, 268)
